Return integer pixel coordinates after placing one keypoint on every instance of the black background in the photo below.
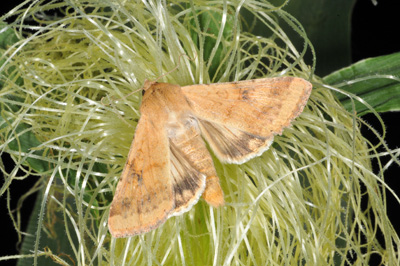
(375, 31)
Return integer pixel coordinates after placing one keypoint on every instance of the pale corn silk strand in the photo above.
(299, 201)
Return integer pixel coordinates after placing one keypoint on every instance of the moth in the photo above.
(169, 167)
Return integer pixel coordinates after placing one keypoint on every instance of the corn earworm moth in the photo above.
(169, 167)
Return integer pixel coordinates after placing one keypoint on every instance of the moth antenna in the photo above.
(122, 98)
(147, 83)
(177, 66)
(114, 108)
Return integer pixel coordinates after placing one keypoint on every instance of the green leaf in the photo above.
(26, 141)
(7, 36)
(210, 24)
(377, 83)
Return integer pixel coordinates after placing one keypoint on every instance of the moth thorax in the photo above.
(179, 125)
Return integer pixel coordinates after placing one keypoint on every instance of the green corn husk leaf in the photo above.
(7, 36)
(374, 80)
(212, 48)
(299, 201)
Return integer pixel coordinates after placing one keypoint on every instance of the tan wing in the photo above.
(192, 166)
(239, 119)
(144, 196)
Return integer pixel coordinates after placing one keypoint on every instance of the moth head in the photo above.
(147, 84)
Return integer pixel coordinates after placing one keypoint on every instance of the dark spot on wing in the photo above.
(244, 93)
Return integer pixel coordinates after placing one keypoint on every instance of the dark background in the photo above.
(375, 30)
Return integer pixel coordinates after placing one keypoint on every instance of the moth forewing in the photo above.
(144, 194)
